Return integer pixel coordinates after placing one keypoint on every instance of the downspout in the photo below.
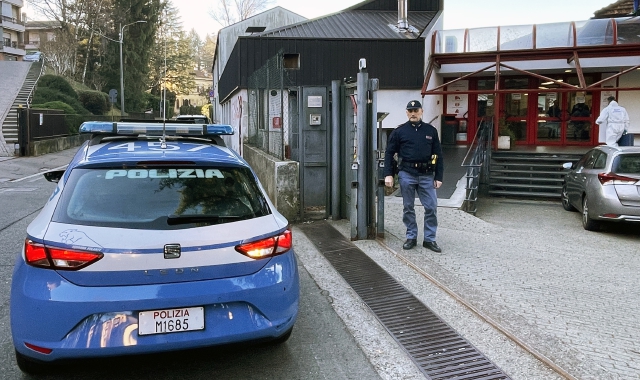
(403, 15)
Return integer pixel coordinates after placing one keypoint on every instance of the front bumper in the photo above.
(48, 311)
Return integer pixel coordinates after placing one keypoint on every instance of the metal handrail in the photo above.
(30, 96)
(477, 163)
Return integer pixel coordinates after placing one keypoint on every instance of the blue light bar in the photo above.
(154, 129)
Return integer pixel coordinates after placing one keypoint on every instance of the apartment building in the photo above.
(12, 29)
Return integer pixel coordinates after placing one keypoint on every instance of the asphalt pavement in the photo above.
(522, 281)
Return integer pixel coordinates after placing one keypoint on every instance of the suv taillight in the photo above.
(271, 246)
(39, 255)
(615, 179)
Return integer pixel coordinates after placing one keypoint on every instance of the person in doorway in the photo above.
(420, 169)
(615, 120)
(553, 126)
(580, 127)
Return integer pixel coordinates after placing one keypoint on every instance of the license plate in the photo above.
(170, 320)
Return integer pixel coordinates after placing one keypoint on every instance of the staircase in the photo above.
(528, 174)
(10, 124)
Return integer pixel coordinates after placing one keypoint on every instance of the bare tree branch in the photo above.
(227, 12)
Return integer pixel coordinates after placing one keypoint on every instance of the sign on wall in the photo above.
(458, 104)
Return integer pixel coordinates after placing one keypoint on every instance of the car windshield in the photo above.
(627, 164)
(160, 198)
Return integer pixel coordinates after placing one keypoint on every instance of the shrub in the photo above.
(45, 94)
(95, 102)
(57, 83)
(55, 105)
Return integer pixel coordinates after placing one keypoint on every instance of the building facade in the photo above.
(543, 85)
(12, 29)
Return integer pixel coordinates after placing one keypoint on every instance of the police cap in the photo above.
(414, 105)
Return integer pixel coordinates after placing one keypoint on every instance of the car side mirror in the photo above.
(54, 176)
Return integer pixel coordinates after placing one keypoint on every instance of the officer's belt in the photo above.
(417, 165)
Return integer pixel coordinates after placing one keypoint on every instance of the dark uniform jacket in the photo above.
(414, 144)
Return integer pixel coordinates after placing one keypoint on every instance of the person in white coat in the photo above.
(615, 120)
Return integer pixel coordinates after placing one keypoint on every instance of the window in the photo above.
(600, 161)
(291, 61)
(145, 197)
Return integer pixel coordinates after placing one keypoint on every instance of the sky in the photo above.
(458, 14)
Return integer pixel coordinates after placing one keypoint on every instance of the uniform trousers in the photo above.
(424, 186)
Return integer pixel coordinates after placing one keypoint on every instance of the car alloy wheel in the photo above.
(565, 200)
(588, 223)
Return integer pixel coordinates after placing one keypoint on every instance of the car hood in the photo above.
(137, 257)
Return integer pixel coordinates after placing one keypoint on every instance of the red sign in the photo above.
(276, 122)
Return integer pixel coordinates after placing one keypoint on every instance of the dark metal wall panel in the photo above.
(397, 63)
(389, 5)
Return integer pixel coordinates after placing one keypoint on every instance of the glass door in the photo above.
(516, 109)
(551, 118)
(579, 125)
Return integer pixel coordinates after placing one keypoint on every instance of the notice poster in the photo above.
(606, 92)
(458, 104)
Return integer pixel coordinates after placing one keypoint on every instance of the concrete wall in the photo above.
(630, 100)
(38, 148)
(280, 180)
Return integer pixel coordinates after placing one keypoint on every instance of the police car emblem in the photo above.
(172, 251)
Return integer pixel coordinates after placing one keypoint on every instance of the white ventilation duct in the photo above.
(403, 15)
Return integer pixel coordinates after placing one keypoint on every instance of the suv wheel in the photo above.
(588, 223)
(565, 200)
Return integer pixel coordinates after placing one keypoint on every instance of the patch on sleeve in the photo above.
(429, 137)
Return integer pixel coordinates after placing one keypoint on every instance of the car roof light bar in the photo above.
(154, 129)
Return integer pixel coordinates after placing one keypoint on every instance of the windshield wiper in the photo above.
(173, 220)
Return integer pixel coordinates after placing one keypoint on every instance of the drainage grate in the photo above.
(438, 350)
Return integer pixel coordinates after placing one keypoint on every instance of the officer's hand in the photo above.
(388, 181)
(437, 184)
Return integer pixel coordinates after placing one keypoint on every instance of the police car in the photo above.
(157, 237)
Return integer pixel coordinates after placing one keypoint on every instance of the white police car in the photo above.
(156, 238)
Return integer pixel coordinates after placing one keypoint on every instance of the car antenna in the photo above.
(163, 139)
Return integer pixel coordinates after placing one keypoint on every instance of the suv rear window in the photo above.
(160, 198)
(627, 164)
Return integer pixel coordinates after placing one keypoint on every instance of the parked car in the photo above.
(152, 243)
(33, 56)
(198, 119)
(604, 185)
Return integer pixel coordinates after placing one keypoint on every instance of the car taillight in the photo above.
(271, 246)
(615, 179)
(39, 255)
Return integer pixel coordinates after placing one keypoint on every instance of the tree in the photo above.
(59, 53)
(227, 12)
(138, 46)
(77, 19)
(174, 58)
(208, 51)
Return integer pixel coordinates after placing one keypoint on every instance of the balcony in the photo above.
(12, 47)
(12, 23)
(17, 3)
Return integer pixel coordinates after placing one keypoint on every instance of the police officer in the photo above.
(421, 169)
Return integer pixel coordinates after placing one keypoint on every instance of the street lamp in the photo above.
(121, 66)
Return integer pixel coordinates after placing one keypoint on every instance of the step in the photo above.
(527, 165)
(526, 186)
(546, 172)
(535, 158)
(514, 178)
(528, 194)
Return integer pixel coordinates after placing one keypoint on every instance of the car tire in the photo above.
(565, 200)
(32, 366)
(588, 223)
